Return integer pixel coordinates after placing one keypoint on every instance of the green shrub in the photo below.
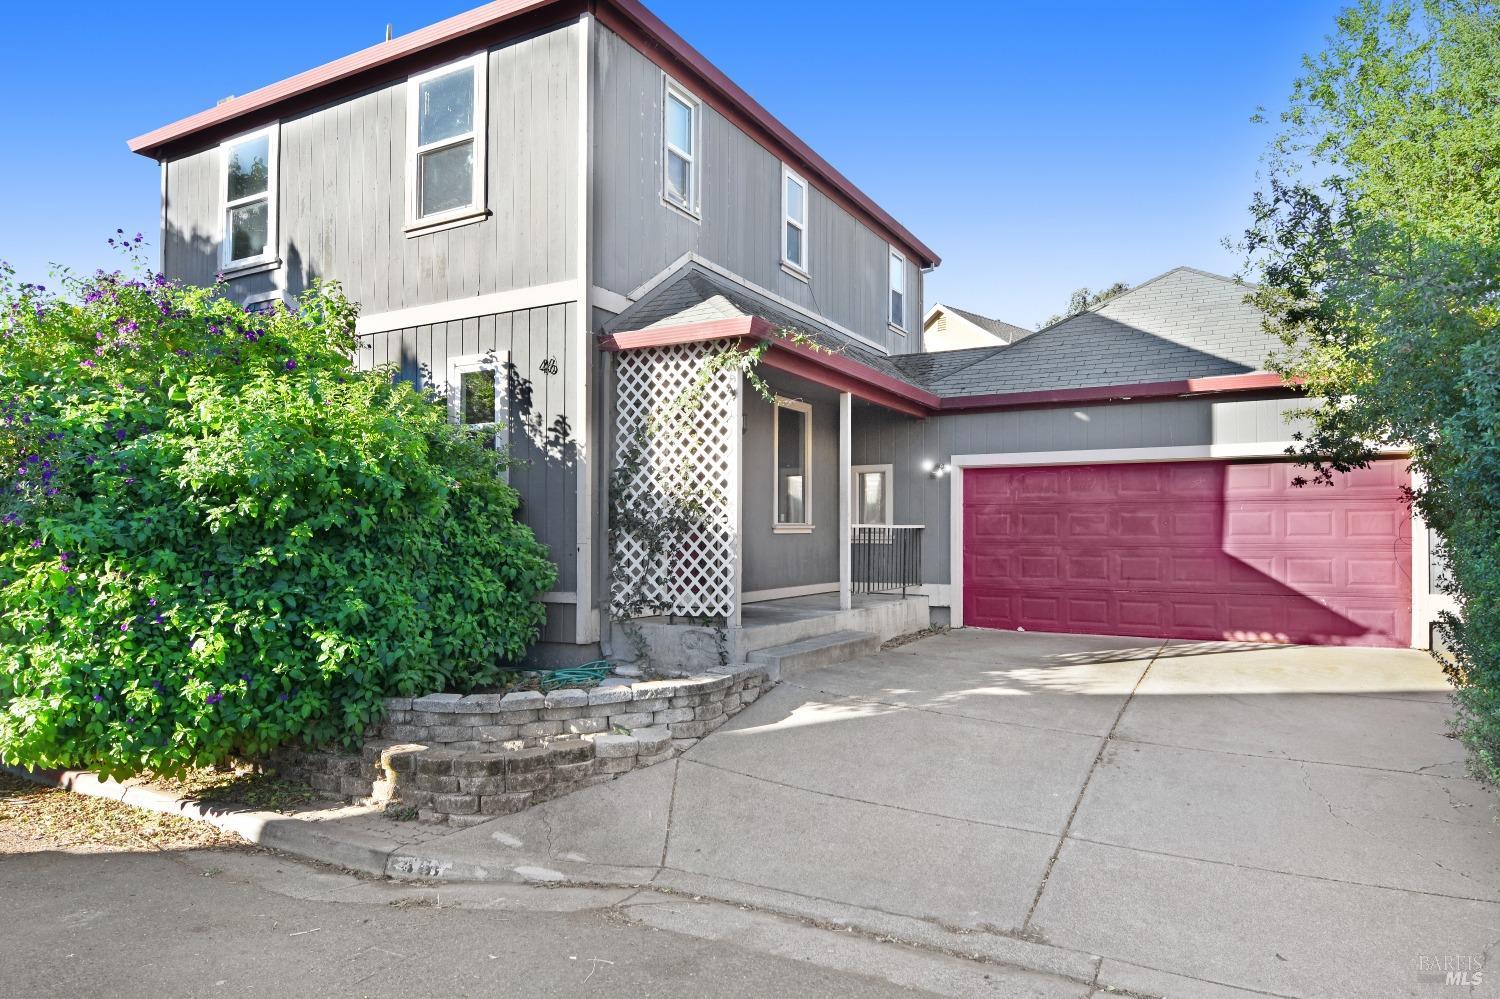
(216, 537)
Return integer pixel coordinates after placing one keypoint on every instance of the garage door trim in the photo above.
(1196, 452)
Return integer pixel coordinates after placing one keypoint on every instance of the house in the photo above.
(947, 328)
(566, 218)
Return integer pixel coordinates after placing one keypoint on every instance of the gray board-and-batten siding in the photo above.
(342, 194)
(541, 419)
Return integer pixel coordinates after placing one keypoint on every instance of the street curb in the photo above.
(355, 851)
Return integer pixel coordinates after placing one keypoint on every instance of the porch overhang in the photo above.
(844, 374)
(824, 367)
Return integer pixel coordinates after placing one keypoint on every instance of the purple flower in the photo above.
(86, 363)
(124, 625)
(215, 698)
(160, 620)
(284, 697)
(291, 365)
(98, 698)
(151, 602)
(72, 590)
(36, 542)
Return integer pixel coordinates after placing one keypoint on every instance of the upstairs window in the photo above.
(249, 236)
(445, 142)
(793, 220)
(898, 291)
(681, 128)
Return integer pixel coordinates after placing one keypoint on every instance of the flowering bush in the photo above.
(216, 537)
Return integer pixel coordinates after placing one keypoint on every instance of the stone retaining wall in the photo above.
(464, 759)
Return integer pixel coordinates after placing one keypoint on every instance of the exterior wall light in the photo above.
(934, 470)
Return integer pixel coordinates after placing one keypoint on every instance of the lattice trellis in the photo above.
(693, 462)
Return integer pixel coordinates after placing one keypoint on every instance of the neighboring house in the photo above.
(565, 207)
(947, 328)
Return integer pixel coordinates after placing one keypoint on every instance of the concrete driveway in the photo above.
(1166, 818)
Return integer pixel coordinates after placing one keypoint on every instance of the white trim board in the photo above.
(455, 309)
(586, 624)
(784, 592)
(1194, 452)
(611, 301)
(692, 258)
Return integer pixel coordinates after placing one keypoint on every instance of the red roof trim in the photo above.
(1116, 393)
(355, 64)
(626, 17)
(847, 375)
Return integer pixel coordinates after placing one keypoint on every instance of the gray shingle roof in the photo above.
(1184, 324)
(696, 295)
(1009, 332)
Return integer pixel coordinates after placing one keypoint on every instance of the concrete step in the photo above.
(820, 650)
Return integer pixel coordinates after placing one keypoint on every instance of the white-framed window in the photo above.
(445, 142)
(682, 134)
(898, 291)
(871, 502)
(794, 198)
(249, 186)
(791, 455)
(478, 396)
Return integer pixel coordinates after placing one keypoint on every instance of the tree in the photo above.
(216, 537)
(1083, 300)
(1376, 244)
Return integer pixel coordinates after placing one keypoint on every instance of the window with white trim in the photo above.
(445, 141)
(871, 503)
(249, 233)
(478, 398)
(793, 220)
(682, 129)
(898, 291)
(791, 449)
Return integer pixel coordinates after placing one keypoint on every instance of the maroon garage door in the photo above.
(1197, 550)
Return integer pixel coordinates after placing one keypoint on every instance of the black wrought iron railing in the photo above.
(886, 558)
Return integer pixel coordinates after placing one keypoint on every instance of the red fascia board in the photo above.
(628, 18)
(668, 336)
(805, 366)
(1116, 393)
(827, 368)
(453, 29)
(646, 32)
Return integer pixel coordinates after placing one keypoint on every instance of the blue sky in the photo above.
(1037, 147)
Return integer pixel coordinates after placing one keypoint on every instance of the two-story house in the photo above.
(553, 210)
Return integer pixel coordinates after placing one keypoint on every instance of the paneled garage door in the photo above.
(1198, 550)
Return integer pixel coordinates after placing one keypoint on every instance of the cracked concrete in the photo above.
(1162, 818)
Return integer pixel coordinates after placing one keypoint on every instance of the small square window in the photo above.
(872, 494)
(478, 396)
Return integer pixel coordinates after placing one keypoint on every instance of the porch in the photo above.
(740, 521)
(787, 633)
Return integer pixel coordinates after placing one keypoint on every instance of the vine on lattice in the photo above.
(671, 533)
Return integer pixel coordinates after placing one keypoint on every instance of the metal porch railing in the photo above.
(886, 558)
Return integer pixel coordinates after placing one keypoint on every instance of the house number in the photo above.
(549, 366)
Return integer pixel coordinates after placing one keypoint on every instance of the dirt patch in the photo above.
(33, 817)
(242, 786)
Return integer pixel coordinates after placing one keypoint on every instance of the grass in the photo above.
(33, 817)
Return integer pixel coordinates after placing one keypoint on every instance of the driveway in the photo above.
(1166, 818)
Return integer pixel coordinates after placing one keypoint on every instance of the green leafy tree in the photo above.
(216, 537)
(1376, 242)
(1082, 300)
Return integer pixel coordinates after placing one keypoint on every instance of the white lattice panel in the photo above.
(692, 462)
